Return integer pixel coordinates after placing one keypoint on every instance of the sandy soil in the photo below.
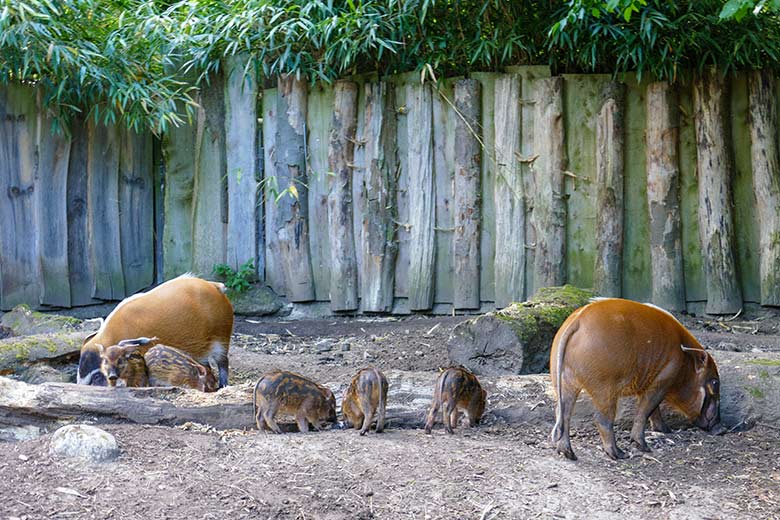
(493, 471)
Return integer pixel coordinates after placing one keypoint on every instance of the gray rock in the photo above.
(345, 347)
(84, 442)
(258, 300)
(324, 345)
(23, 321)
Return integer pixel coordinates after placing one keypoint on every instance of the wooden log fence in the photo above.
(401, 197)
(663, 188)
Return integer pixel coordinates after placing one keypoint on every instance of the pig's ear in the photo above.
(130, 349)
(699, 356)
(136, 341)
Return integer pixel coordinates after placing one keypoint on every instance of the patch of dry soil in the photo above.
(490, 472)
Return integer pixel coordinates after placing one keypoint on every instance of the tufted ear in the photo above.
(699, 356)
(129, 349)
(143, 340)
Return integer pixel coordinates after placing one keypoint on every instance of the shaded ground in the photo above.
(494, 471)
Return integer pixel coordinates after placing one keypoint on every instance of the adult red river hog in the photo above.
(192, 314)
(613, 348)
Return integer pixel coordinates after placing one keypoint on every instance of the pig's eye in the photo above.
(713, 385)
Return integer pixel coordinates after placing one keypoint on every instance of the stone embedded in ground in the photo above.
(84, 442)
(258, 300)
(516, 339)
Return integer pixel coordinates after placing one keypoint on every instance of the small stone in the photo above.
(367, 354)
(85, 442)
(346, 347)
(24, 458)
(325, 345)
(728, 346)
(418, 352)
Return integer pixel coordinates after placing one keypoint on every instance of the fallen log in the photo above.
(750, 384)
(516, 339)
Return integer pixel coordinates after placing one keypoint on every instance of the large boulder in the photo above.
(23, 321)
(516, 339)
(258, 300)
(85, 442)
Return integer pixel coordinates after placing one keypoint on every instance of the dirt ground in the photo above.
(493, 471)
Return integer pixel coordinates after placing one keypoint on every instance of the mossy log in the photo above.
(516, 339)
(750, 395)
(17, 352)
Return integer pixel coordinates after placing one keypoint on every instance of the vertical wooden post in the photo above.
(766, 179)
(381, 168)
(178, 150)
(716, 222)
(508, 194)
(468, 160)
(79, 265)
(274, 273)
(103, 202)
(341, 150)
(241, 160)
(609, 191)
(52, 204)
(209, 214)
(663, 196)
(421, 196)
(19, 273)
(136, 210)
(292, 212)
(549, 212)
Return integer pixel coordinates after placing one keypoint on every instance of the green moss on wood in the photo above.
(549, 307)
(756, 392)
(765, 362)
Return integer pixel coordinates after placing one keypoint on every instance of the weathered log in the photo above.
(274, 272)
(103, 210)
(516, 339)
(319, 116)
(422, 196)
(379, 187)
(80, 269)
(608, 272)
(19, 275)
(468, 160)
(241, 160)
(53, 149)
(663, 197)
(178, 149)
(766, 179)
(549, 212)
(209, 204)
(716, 201)
(508, 195)
(136, 210)
(443, 121)
(341, 151)
(292, 222)
(750, 393)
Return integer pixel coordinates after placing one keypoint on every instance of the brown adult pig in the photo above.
(456, 388)
(366, 396)
(292, 394)
(169, 366)
(193, 314)
(613, 348)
